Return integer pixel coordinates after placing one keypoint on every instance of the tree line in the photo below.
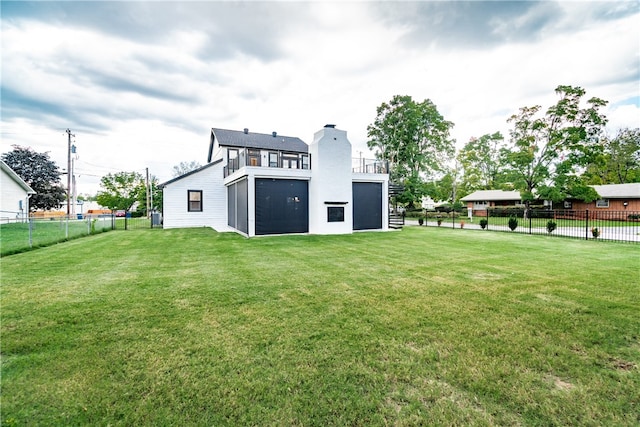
(551, 154)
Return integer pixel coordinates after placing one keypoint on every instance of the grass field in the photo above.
(427, 326)
(21, 236)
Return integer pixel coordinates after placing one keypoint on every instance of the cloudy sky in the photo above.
(141, 84)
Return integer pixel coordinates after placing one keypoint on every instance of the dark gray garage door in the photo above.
(282, 206)
(367, 205)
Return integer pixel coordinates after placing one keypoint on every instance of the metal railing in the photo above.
(24, 234)
(273, 159)
(619, 226)
(361, 165)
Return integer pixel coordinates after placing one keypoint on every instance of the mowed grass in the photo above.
(427, 326)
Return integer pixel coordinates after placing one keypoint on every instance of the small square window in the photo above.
(194, 200)
(335, 214)
(602, 203)
(567, 204)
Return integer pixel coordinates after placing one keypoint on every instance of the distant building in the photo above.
(15, 194)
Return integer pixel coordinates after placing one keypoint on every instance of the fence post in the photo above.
(530, 214)
(586, 225)
(30, 232)
(125, 221)
(66, 228)
(487, 218)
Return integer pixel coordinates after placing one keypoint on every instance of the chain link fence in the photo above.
(24, 234)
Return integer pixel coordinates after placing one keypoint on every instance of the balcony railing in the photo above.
(273, 159)
(369, 166)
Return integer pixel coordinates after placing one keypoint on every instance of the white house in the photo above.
(14, 200)
(258, 184)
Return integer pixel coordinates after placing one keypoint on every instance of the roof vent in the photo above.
(246, 131)
(330, 126)
(274, 134)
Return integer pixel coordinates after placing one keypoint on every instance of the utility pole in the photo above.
(148, 192)
(69, 135)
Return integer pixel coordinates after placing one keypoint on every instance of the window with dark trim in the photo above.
(194, 200)
(602, 203)
(305, 161)
(273, 159)
(335, 214)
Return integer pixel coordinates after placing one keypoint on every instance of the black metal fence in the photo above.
(619, 226)
(24, 234)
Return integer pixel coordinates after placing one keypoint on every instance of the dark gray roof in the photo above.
(262, 141)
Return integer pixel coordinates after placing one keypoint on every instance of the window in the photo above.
(602, 203)
(567, 204)
(289, 161)
(305, 161)
(194, 200)
(273, 160)
(335, 214)
(254, 157)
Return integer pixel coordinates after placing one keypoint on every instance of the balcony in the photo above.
(260, 158)
(362, 165)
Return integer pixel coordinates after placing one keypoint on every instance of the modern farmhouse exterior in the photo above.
(259, 184)
(14, 201)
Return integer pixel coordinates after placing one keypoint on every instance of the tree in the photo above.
(481, 162)
(546, 151)
(121, 190)
(619, 162)
(414, 138)
(40, 173)
(155, 196)
(184, 168)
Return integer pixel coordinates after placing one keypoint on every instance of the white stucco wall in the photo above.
(330, 181)
(11, 193)
(214, 199)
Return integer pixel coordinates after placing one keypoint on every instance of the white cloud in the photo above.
(137, 96)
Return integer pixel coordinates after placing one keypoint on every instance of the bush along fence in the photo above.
(620, 226)
(22, 235)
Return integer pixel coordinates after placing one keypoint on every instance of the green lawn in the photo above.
(22, 236)
(424, 326)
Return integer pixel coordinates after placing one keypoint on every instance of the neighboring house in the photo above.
(258, 184)
(480, 201)
(613, 197)
(14, 200)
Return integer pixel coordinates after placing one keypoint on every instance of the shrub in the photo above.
(461, 224)
(420, 221)
(513, 223)
(551, 225)
(483, 223)
(439, 222)
(595, 232)
(634, 216)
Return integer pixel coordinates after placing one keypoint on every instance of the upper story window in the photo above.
(253, 157)
(194, 200)
(602, 203)
(290, 161)
(304, 159)
(273, 159)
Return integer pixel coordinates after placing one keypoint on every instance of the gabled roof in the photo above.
(492, 195)
(261, 141)
(618, 191)
(11, 173)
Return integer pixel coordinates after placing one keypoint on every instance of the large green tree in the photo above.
(619, 162)
(481, 162)
(415, 138)
(547, 149)
(121, 190)
(40, 173)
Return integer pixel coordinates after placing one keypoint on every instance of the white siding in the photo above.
(11, 195)
(214, 200)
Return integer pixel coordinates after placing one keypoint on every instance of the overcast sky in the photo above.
(141, 84)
